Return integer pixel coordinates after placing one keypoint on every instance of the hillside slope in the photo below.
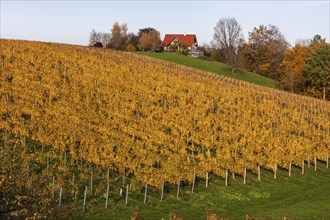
(214, 67)
(157, 123)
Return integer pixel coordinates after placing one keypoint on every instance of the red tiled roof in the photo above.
(185, 39)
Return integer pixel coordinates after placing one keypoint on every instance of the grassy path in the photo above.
(298, 197)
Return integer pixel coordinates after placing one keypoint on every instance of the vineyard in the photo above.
(162, 123)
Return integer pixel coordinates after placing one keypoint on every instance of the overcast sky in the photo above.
(71, 21)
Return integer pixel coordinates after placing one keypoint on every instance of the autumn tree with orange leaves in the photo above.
(292, 66)
(150, 40)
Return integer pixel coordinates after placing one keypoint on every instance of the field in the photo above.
(214, 67)
(299, 197)
(302, 196)
(79, 124)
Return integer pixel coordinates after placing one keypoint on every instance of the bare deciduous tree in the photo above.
(267, 50)
(94, 37)
(105, 39)
(227, 35)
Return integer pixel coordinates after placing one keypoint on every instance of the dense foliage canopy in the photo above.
(160, 120)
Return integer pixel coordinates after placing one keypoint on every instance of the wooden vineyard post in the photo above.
(290, 166)
(145, 194)
(244, 178)
(92, 182)
(315, 164)
(233, 176)
(126, 200)
(60, 199)
(177, 194)
(275, 171)
(85, 194)
(303, 167)
(53, 187)
(207, 179)
(193, 184)
(259, 174)
(162, 194)
(107, 195)
(226, 180)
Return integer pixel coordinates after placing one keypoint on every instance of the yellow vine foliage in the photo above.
(161, 121)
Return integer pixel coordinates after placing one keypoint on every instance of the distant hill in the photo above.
(214, 67)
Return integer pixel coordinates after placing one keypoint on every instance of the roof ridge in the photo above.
(185, 39)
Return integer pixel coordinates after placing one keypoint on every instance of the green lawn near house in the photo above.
(212, 66)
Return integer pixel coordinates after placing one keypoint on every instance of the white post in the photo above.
(290, 165)
(145, 194)
(91, 182)
(108, 185)
(42, 150)
(275, 171)
(308, 163)
(59, 202)
(124, 174)
(207, 179)
(226, 180)
(126, 200)
(65, 158)
(193, 186)
(53, 187)
(315, 166)
(177, 194)
(85, 194)
(162, 194)
(47, 163)
(259, 174)
(107, 196)
(303, 167)
(73, 184)
(244, 178)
